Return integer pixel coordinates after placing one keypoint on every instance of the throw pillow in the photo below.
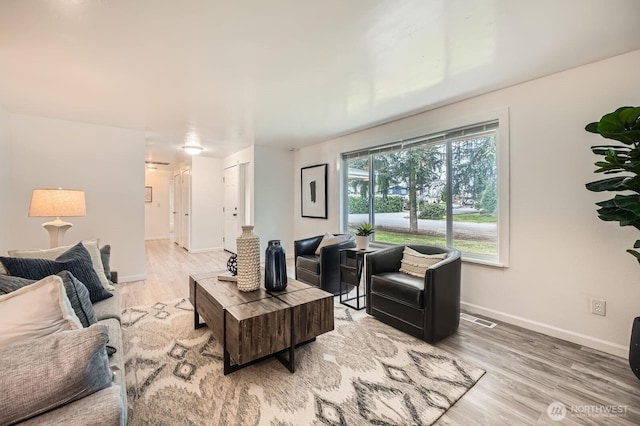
(38, 376)
(105, 256)
(36, 310)
(9, 283)
(75, 260)
(76, 292)
(416, 263)
(50, 254)
(79, 297)
(329, 240)
(92, 247)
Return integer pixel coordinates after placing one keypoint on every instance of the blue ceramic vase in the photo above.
(275, 267)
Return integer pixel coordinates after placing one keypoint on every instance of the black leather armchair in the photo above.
(429, 307)
(321, 270)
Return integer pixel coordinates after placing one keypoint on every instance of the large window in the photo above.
(440, 189)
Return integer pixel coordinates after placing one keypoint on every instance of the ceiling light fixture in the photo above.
(192, 145)
(192, 149)
(152, 167)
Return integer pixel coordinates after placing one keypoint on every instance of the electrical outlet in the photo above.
(598, 307)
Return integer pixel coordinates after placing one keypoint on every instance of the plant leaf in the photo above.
(592, 127)
(634, 253)
(602, 149)
(630, 203)
(609, 184)
(629, 116)
(615, 125)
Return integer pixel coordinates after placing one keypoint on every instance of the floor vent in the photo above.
(477, 320)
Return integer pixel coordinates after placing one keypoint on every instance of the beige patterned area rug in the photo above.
(363, 372)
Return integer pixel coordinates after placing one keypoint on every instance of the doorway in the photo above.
(234, 204)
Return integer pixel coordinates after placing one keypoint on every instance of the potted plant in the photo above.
(622, 125)
(362, 235)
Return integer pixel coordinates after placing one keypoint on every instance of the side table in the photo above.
(351, 266)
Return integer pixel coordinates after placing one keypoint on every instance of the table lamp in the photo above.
(56, 203)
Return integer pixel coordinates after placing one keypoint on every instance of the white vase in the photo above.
(362, 242)
(248, 246)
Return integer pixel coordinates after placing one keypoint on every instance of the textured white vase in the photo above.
(248, 246)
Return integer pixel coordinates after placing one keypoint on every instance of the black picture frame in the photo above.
(313, 191)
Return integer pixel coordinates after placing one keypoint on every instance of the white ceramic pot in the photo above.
(362, 242)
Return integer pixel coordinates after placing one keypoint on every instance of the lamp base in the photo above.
(57, 228)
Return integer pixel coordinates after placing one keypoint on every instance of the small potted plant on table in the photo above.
(362, 235)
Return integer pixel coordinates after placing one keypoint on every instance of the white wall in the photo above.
(156, 213)
(273, 197)
(5, 180)
(561, 253)
(207, 199)
(105, 162)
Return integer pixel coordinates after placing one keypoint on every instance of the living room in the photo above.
(558, 257)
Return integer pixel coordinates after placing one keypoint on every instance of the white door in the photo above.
(185, 195)
(231, 211)
(177, 208)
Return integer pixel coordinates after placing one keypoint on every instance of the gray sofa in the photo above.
(106, 406)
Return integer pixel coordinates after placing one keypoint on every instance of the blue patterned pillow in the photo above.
(75, 260)
(76, 292)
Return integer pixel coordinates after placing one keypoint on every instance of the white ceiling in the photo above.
(287, 73)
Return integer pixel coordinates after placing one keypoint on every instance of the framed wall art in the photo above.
(313, 188)
(148, 194)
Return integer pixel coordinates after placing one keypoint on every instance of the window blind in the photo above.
(461, 132)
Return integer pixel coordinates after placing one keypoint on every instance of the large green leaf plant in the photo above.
(622, 125)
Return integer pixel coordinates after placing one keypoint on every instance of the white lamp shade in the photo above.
(57, 203)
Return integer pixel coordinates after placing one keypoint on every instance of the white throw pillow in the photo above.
(49, 254)
(416, 264)
(36, 310)
(92, 246)
(329, 240)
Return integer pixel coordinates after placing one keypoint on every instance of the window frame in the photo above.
(432, 136)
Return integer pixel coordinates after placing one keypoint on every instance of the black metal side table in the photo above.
(351, 266)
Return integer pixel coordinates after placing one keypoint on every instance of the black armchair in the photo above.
(321, 270)
(429, 307)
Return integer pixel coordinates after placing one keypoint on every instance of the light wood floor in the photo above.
(526, 371)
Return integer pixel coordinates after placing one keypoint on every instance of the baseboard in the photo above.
(130, 278)
(550, 330)
(204, 250)
(166, 237)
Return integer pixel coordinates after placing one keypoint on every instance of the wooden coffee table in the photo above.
(255, 325)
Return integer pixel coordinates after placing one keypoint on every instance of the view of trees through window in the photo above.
(441, 192)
